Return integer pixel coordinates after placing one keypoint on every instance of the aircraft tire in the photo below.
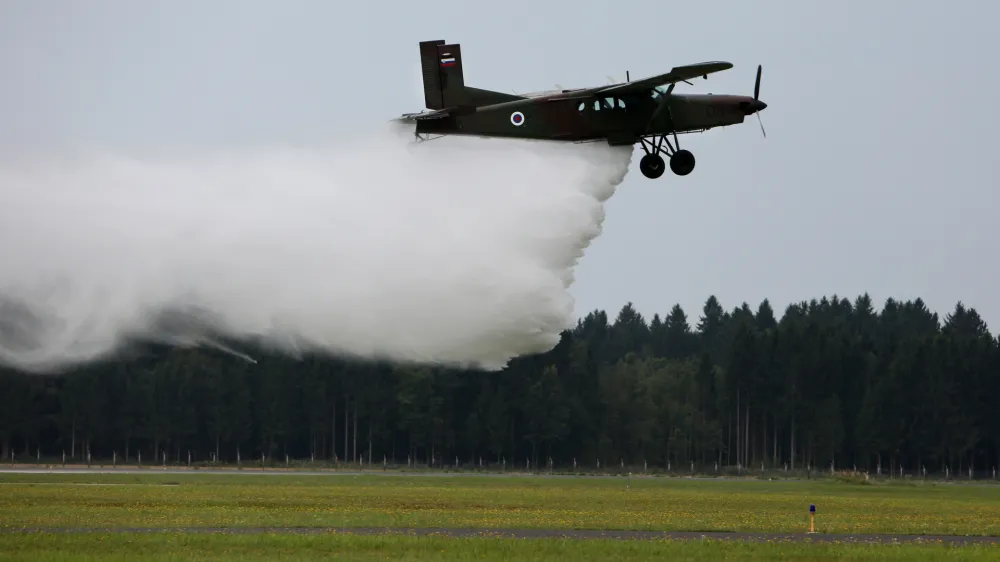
(652, 166)
(682, 162)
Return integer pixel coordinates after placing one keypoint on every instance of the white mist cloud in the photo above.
(453, 251)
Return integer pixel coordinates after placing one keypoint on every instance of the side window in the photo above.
(581, 106)
(631, 100)
(621, 103)
(609, 103)
(597, 105)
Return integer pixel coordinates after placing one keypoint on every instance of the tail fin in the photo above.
(444, 83)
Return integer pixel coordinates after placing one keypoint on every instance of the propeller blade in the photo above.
(756, 86)
(761, 125)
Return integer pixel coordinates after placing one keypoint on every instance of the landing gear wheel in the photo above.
(652, 166)
(682, 162)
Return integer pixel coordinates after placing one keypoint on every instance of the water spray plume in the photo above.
(456, 251)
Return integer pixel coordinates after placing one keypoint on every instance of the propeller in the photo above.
(757, 106)
(756, 86)
(612, 80)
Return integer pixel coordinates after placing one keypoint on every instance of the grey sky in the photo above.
(879, 173)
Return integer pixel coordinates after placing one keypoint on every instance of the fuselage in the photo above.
(619, 119)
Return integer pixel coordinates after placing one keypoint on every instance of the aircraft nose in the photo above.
(751, 106)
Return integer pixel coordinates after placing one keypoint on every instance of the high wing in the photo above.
(678, 74)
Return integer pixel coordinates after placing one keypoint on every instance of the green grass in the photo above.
(127, 500)
(172, 546)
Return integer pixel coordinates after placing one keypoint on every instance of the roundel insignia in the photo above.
(517, 118)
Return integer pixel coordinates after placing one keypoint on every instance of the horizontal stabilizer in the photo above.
(437, 114)
(424, 115)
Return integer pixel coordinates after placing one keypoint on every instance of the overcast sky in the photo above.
(879, 173)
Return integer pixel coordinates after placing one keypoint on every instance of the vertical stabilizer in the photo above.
(444, 82)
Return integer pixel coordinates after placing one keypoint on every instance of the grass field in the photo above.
(340, 502)
(167, 546)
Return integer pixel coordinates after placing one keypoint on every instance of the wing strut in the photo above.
(664, 105)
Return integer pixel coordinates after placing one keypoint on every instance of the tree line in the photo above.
(831, 383)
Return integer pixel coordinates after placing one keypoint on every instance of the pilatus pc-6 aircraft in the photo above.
(644, 111)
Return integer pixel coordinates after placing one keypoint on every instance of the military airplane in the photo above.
(644, 111)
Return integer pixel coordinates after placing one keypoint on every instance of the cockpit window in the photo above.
(659, 91)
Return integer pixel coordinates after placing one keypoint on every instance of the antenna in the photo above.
(626, 77)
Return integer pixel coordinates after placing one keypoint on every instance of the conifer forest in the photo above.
(827, 383)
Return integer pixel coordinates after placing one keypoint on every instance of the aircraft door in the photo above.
(609, 114)
(604, 114)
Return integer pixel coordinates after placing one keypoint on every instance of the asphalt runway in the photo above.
(574, 534)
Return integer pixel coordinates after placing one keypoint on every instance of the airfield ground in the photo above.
(154, 514)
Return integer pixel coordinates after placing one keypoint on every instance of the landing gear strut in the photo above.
(652, 165)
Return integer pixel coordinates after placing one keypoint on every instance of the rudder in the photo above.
(431, 74)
